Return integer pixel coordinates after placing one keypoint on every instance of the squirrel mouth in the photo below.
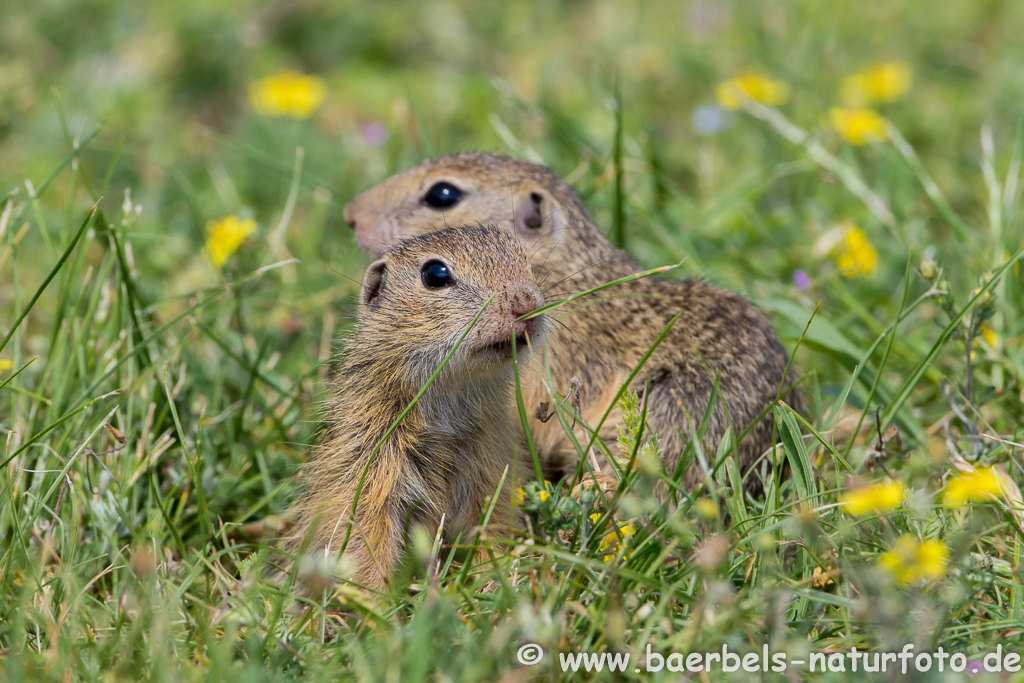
(503, 348)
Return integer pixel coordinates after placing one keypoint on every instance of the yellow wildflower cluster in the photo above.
(6, 364)
(519, 494)
(884, 82)
(611, 544)
(287, 93)
(754, 86)
(911, 560)
(224, 237)
(981, 485)
(855, 122)
(874, 498)
(855, 255)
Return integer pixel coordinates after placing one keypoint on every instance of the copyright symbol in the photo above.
(530, 654)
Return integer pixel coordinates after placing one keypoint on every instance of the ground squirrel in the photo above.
(444, 463)
(600, 340)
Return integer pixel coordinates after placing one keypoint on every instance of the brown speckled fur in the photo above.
(600, 340)
(447, 456)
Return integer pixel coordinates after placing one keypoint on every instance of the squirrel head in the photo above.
(425, 291)
(523, 199)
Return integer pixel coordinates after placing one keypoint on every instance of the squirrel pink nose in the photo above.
(525, 302)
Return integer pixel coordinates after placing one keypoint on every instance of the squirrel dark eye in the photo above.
(435, 275)
(442, 195)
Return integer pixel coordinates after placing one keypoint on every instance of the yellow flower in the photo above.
(541, 492)
(990, 336)
(983, 484)
(883, 82)
(751, 85)
(858, 125)
(881, 497)
(911, 560)
(287, 93)
(855, 255)
(611, 544)
(223, 237)
(5, 364)
(706, 508)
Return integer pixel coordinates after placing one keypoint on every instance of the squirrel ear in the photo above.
(530, 213)
(372, 283)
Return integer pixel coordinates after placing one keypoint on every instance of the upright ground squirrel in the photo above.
(445, 461)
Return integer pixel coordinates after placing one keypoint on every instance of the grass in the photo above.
(154, 407)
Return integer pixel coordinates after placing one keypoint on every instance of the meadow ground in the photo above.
(174, 271)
